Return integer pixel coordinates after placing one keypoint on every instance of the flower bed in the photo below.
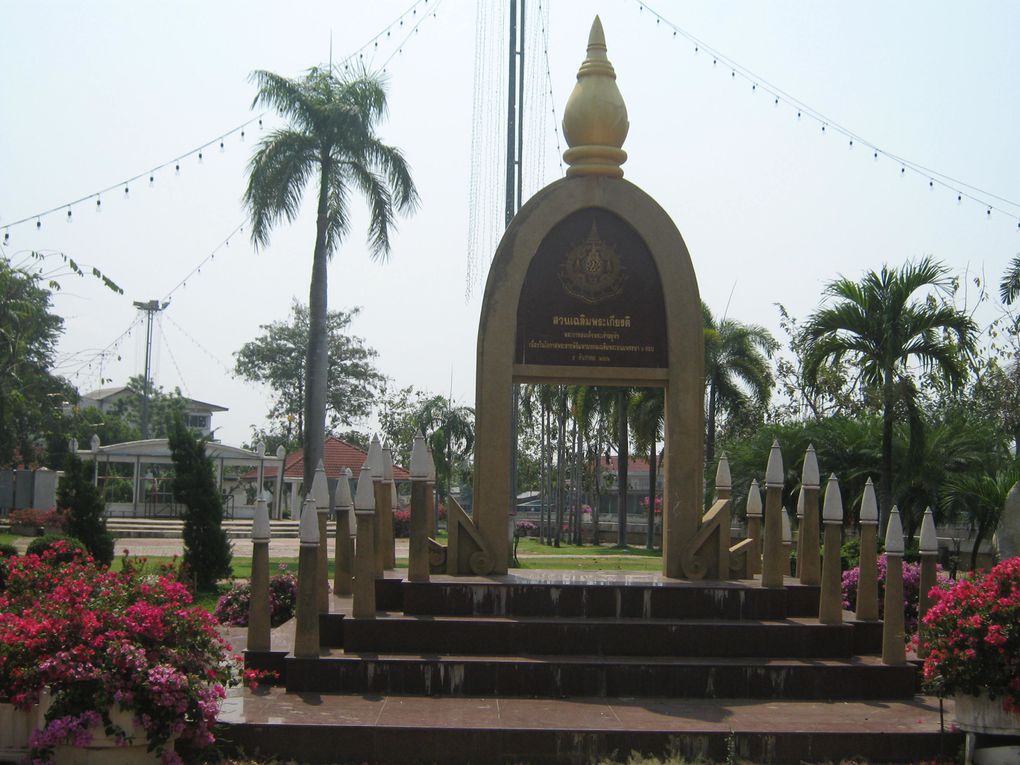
(233, 607)
(911, 589)
(101, 639)
(972, 637)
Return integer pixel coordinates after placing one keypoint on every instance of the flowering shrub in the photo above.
(526, 529)
(69, 547)
(402, 523)
(658, 504)
(99, 638)
(232, 608)
(911, 589)
(24, 516)
(972, 636)
(53, 519)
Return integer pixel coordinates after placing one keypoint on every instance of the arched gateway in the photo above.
(592, 284)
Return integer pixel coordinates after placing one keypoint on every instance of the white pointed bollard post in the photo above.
(277, 496)
(893, 649)
(754, 528)
(364, 547)
(772, 552)
(418, 551)
(830, 601)
(374, 463)
(867, 580)
(320, 493)
(809, 564)
(343, 550)
(430, 496)
(723, 479)
(800, 526)
(259, 618)
(306, 634)
(390, 489)
(382, 502)
(787, 542)
(929, 550)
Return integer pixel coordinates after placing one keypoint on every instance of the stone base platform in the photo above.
(572, 667)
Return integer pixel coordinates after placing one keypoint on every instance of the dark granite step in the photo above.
(716, 600)
(582, 598)
(793, 638)
(402, 730)
(600, 676)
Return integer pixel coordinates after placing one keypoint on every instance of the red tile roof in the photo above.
(634, 464)
(337, 455)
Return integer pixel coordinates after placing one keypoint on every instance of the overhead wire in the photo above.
(986, 199)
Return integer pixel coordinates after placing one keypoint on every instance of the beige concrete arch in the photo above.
(682, 377)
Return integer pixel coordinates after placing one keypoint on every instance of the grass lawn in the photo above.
(531, 546)
(8, 539)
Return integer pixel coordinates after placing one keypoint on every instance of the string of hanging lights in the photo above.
(412, 14)
(173, 358)
(211, 256)
(199, 345)
(988, 202)
(126, 184)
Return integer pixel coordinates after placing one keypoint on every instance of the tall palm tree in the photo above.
(881, 326)
(737, 372)
(330, 140)
(1009, 287)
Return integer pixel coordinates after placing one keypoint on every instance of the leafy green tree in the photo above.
(330, 140)
(883, 327)
(30, 394)
(86, 517)
(206, 547)
(81, 423)
(164, 407)
(277, 358)
(737, 372)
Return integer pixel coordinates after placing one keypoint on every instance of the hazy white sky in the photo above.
(770, 206)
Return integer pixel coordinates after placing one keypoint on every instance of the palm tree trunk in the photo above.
(561, 448)
(317, 363)
(710, 425)
(542, 536)
(885, 469)
(623, 451)
(652, 477)
(596, 489)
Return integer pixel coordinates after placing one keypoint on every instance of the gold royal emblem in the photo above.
(592, 270)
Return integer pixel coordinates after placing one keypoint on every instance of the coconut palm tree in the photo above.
(331, 141)
(982, 497)
(882, 326)
(737, 372)
(1009, 287)
(450, 432)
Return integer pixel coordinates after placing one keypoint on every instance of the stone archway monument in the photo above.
(591, 284)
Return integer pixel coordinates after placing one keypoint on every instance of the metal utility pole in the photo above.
(151, 308)
(514, 178)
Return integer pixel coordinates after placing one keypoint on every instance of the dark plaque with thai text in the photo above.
(592, 297)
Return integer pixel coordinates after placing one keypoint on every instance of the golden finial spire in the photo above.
(595, 118)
